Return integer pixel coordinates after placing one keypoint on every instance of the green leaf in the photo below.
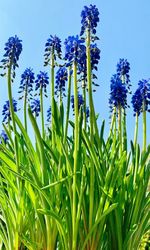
(108, 211)
(59, 223)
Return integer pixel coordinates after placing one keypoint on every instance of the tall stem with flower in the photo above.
(123, 68)
(68, 104)
(90, 18)
(140, 102)
(26, 88)
(52, 50)
(12, 52)
(41, 83)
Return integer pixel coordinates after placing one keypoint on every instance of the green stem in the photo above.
(89, 81)
(42, 112)
(144, 128)
(15, 144)
(84, 107)
(92, 119)
(25, 109)
(9, 126)
(12, 116)
(74, 243)
(118, 228)
(52, 95)
(123, 78)
(124, 131)
(68, 105)
(136, 130)
(120, 128)
(113, 119)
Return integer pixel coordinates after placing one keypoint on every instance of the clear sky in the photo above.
(123, 30)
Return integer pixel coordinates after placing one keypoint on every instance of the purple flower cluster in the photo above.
(141, 97)
(118, 93)
(6, 110)
(35, 107)
(74, 50)
(80, 104)
(49, 113)
(52, 46)
(13, 49)
(3, 137)
(90, 19)
(95, 56)
(42, 81)
(61, 78)
(80, 101)
(27, 80)
(123, 68)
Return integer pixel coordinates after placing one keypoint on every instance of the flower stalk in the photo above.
(120, 127)
(42, 112)
(68, 104)
(91, 107)
(136, 129)
(25, 109)
(144, 127)
(84, 106)
(12, 115)
(76, 134)
(52, 94)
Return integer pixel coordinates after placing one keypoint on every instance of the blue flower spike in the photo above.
(61, 78)
(35, 107)
(42, 81)
(118, 93)
(90, 19)
(82, 68)
(49, 114)
(13, 48)
(95, 56)
(3, 137)
(26, 83)
(6, 110)
(74, 50)
(52, 47)
(80, 101)
(141, 96)
(123, 68)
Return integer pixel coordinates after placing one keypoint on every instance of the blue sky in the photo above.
(123, 31)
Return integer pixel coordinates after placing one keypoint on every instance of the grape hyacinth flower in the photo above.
(82, 65)
(90, 18)
(144, 86)
(61, 78)
(6, 110)
(3, 137)
(123, 68)
(13, 49)
(49, 114)
(74, 50)
(52, 47)
(141, 96)
(141, 102)
(118, 93)
(35, 107)
(27, 80)
(137, 102)
(95, 56)
(80, 101)
(42, 81)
